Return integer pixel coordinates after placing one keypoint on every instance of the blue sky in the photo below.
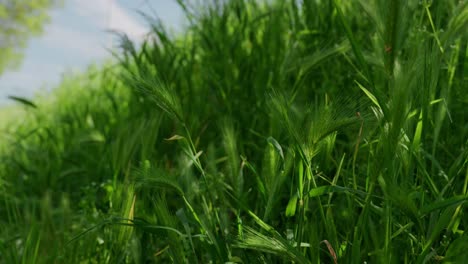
(76, 37)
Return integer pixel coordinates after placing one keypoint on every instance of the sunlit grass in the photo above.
(270, 132)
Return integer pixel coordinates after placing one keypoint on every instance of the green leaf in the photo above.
(443, 204)
(418, 132)
(277, 146)
(369, 94)
(326, 190)
(457, 253)
(175, 137)
(291, 208)
(23, 101)
(442, 223)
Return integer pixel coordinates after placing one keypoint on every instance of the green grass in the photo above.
(269, 132)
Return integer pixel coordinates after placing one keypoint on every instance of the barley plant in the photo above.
(315, 131)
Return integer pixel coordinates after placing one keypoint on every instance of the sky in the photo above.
(78, 36)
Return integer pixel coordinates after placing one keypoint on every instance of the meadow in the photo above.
(268, 132)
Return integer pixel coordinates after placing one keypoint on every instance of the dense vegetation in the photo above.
(270, 132)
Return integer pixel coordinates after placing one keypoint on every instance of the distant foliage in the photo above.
(20, 20)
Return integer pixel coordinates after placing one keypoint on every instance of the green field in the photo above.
(315, 131)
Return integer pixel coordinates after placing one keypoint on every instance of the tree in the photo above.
(19, 20)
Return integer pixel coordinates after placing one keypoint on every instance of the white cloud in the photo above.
(75, 42)
(109, 15)
(103, 15)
